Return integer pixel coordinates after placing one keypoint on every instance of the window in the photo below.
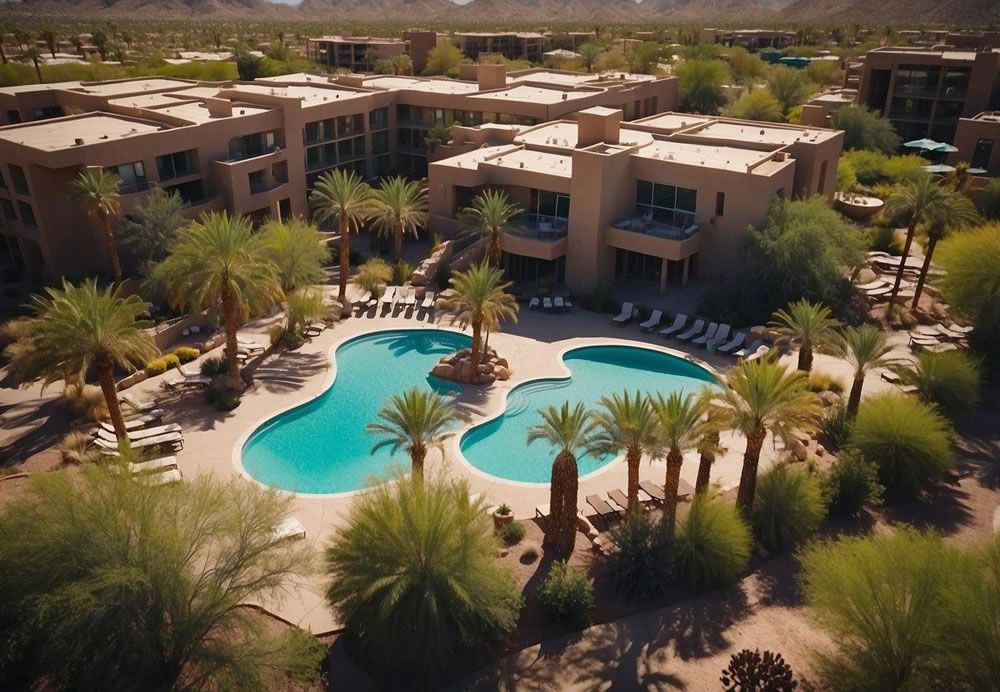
(313, 157)
(822, 177)
(13, 117)
(982, 154)
(175, 165)
(18, 180)
(344, 150)
(312, 133)
(257, 181)
(380, 142)
(3, 182)
(46, 112)
(720, 203)
(27, 215)
(249, 146)
(133, 176)
(8, 209)
(378, 119)
(668, 204)
(553, 205)
(359, 146)
(192, 192)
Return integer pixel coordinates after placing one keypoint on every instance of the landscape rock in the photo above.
(502, 362)
(829, 398)
(502, 373)
(866, 276)
(444, 370)
(486, 378)
(800, 451)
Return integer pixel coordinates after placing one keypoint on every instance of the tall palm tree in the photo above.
(811, 324)
(762, 396)
(489, 215)
(682, 425)
(708, 448)
(99, 191)
(50, 37)
(344, 196)
(954, 212)
(478, 298)
(916, 200)
(627, 423)
(416, 421)
(866, 349)
(219, 259)
(299, 251)
(401, 208)
(75, 328)
(34, 56)
(568, 430)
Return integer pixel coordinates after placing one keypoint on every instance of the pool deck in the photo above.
(533, 347)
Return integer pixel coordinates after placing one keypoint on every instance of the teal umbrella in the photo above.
(945, 148)
(925, 144)
(939, 168)
(978, 171)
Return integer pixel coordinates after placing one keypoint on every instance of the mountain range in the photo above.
(541, 11)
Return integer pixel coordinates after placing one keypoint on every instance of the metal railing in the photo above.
(538, 227)
(660, 229)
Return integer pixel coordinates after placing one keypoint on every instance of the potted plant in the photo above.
(502, 516)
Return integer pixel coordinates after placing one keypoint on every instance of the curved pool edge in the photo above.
(331, 360)
(455, 441)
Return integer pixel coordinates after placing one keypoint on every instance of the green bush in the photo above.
(836, 425)
(788, 507)
(820, 381)
(156, 367)
(185, 354)
(950, 380)
(989, 202)
(217, 365)
(883, 239)
(601, 300)
(852, 484)
(712, 545)
(171, 360)
(908, 442)
(869, 166)
(639, 565)
(222, 399)
(513, 533)
(567, 595)
(902, 169)
(971, 616)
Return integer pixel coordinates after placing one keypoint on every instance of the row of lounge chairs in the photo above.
(938, 337)
(717, 334)
(550, 304)
(614, 503)
(146, 431)
(403, 297)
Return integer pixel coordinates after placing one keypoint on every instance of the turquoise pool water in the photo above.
(321, 446)
(499, 447)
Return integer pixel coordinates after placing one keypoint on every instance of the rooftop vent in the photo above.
(78, 141)
(564, 96)
(761, 133)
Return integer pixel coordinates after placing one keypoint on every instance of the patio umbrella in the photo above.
(939, 168)
(925, 144)
(978, 171)
(945, 148)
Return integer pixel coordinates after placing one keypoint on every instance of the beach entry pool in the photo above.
(499, 448)
(321, 447)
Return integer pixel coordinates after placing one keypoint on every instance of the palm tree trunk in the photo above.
(561, 533)
(672, 482)
(106, 378)
(345, 260)
(748, 478)
(494, 251)
(3, 54)
(704, 472)
(805, 358)
(417, 455)
(633, 455)
(397, 247)
(910, 231)
(230, 317)
(477, 344)
(854, 400)
(931, 242)
(109, 241)
(38, 70)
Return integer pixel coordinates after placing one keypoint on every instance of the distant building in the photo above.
(751, 39)
(509, 44)
(978, 142)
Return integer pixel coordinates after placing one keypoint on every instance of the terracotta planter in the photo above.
(501, 520)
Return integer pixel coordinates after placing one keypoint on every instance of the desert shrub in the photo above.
(567, 595)
(712, 545)
(221, 398)
(883, 239)
(950, 380)
(601, 300)
(185, 354)
(901, 169)
(401, 271)
(908, 442)
(415, 578)
(172, 360)
(86, 401)
(750, 671)
(639, 565)
(837, 425)
(217, 365)
(971, 616)
(852, 484)
(824, 382)
(76, 448)
(788, 507)
(156, 367)
(869, 166)
(530, 552)
(513, 533)
(989, 202)
(881, 598)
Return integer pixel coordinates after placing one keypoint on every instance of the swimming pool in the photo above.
(498, 447)
(321, 446)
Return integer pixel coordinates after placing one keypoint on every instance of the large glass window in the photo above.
(380, 142)
(982, 154)
(18, 179)
(133, 176)
(378, 119)
(669, 204)
(549, 205)
(917, 79)
(27, 214)
(175, 165)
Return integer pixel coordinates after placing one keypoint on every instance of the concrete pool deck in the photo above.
(533, 348)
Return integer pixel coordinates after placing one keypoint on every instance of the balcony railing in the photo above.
(139, 186)
(648, 226)
(252, 153)
(539, 227)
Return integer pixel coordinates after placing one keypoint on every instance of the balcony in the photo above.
(236, 156)
(138, 186)
(656, 238)
(539, 227)
(659, 229)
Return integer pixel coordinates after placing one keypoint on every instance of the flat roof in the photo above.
(25, 88)
(197, 111)
(536, 161)
(132, 86)
(532, 94)
(674, 121)
(751, 131)
(161, 98)
(308, 95)
(357, 39)
(296, 77)
(721, 158)
(435, 86)
(62, 133)
(563, 134)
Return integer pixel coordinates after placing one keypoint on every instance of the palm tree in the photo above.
(708, 447)
(401, 208)
(762, 396)
(299, 251)
(75, 328)
(916, 200)
(219, 258)
(568, 430)
(33, 55)
(48, 35)
(627, 423)
(811, 324)
(344, 196)
(478, 298)
(415, 421)
(99, 191)
(489, 215)
(866, 349)
(682, 425)
(955, 211)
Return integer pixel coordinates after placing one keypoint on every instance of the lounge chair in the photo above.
(141, 434)
(428, 301)
(941, 348)
(165, 478)
(694, 331)
(625, 315)
(250, 347)
(709, 334)
(315, 329)
(720, 336)
(154, 416)
(411, 298)
(139, 406)
(161, 464)
(678, 325)
(872, 285)
(601, 506)
(533, 303)
(559, 304)
(749, 350)
(542, 512)
(181, 379)
(567, 304)
(619, 498)
(388, 296)
(289, 527)
(547, 304)
(759, 353)
(684, 489)
(733, 343)
(653, 490)
(653, 322)
(174, 439)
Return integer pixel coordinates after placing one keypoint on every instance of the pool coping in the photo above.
(453, 443)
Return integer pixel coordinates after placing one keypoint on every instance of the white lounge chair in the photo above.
(733, 343)
(709, 334)
(250, 347)
(411, 298)
(165, 478)
(289, 527)
(533, 303)
(678, 325)
(388, 296)
(694, 331)
(567, 304)
(653, 322)
(720, 335)
(749, 350)
(182, 379)
(174, 438)
(154, 416)
(759, 353)
(558, 302)
(428, 302)
(141, 434)
(625, 315)
(161, 464)
(315, 329)
(138, 405)
(547, 304)
(872, 285)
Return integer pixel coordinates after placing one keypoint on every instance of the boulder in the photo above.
(464, 370)
(829, 398)
(486, 378)
(866, 276)
(820, 450)
(485, 369)
(445, 370)
(502, 362)
(799, 450)
(502, 373)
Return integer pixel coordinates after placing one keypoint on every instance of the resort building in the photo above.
(253, 148)
(751, 39)
(509, 44)
(360, 53)
(654, 201)
(978, 142)
(923, 91)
